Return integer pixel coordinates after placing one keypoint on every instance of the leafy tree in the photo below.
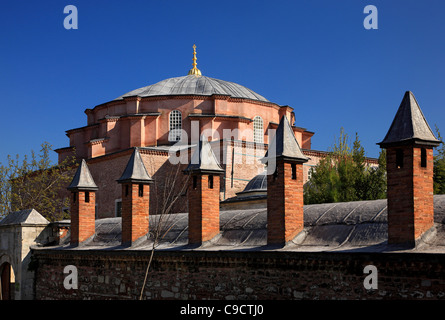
(439, 167)
(36, 183)
(345, 175)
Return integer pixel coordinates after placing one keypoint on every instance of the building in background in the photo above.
(170, 116)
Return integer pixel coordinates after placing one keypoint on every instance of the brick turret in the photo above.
(203, 194)
(284, 160)
(83, 205)
(135, 182)
(409, 155)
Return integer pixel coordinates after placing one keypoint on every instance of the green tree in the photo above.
(345, 175)
(439, 166)
(35, 183)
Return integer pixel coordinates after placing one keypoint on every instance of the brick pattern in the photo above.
(240, 275)
(82, 216)
(135, 212)
(284, 203)
(410, 194)
(203, 204)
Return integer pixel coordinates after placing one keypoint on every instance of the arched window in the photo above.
(258, 132)
(175, 126)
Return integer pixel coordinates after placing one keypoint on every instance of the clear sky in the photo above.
(315, 56)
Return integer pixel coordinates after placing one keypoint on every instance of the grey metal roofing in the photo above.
(284, 144)
(204, 159)
(257, 184)
(24, 217)
(83, 180)
(195, 85)
(347, 226)
(409, 124)
(135, 170)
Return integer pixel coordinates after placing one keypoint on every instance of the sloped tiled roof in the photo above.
(204, 159)
(24, 217)
(135, 170)
(284, 144)
(83, 180)
(409, 125)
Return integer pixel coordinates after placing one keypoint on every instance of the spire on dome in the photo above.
(194, 71)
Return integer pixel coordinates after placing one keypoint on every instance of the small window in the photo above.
(118, 207)
(210, 181)
(126, 190)
(258, 131)
(141, 190)
(74, 197)
(423, 158)
(195, 182)
(175, 126)
(87, 196)
(294, 171)
(275, 173)
(399, 158)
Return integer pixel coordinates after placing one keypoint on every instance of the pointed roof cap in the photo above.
(284, 145)
(82, 179)
(203, 159)
(24, 217)
(135, 170)
(409, 125)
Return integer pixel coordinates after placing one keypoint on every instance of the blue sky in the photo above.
(314, 56)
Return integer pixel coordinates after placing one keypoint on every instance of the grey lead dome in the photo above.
(195, 85)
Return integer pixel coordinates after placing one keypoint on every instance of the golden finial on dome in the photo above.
(194, 71)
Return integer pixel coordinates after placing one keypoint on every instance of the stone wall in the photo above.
(265, 275)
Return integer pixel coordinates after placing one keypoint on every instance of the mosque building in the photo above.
(167, 117)
(218, 245)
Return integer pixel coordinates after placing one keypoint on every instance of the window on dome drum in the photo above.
(175, 126)
(258, 132)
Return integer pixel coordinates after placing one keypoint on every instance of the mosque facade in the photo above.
(275, 247)
(165, 120)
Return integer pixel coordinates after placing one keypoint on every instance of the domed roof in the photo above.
(195, 85)
(256, 186)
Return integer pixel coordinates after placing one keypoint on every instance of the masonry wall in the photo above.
(284, 203)
(410, 194)
(239, 275)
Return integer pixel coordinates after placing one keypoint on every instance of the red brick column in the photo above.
(203, 203)
(135, 211)
(284, 203)
(410, 194)
(82, 216)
